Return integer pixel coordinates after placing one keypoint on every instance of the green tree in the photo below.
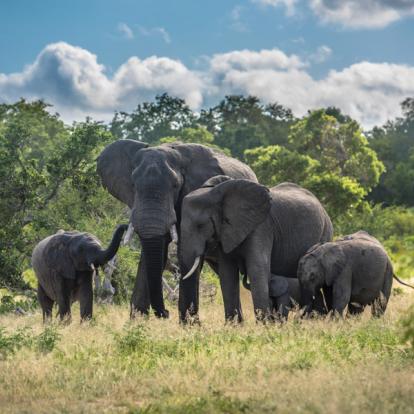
(151, 121)
(241, 123)
(394, 143)
(330, 158)
(39, 155)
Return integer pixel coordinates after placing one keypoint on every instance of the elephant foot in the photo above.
(164, 313)
(138, 313)
(190, 319)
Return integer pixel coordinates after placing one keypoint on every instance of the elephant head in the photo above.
(150, 182)
(223, 211)
(318, 267)
(71, 252)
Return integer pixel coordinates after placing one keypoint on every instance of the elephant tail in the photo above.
(397, 279)
(246, 284)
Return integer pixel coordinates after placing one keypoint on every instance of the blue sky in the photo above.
(92, 57)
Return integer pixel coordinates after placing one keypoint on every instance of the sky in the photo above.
(93, 57)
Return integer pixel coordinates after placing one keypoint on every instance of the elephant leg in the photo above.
(380, 304)
(230, 288)
(327, 294)
(140, 300)
(355, 309)
(46, 303)
(86, 296)
(341, 296)
(188, 299)
(64, 292)
(282, 308)
(319, 304)
(259, 281)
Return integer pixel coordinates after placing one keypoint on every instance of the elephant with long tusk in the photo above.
(153, 182)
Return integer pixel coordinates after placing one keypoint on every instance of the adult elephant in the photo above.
(242, 225)
(153, 181)
(64, 264)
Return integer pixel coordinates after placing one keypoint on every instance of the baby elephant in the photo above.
(355, 270)
(64, 264)
(285, 294)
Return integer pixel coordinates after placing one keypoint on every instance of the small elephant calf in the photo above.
(353, 271)
(285, 294)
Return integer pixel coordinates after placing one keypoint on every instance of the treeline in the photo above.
(48, 178)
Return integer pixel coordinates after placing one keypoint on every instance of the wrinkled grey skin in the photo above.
(357, 270)
(64, 264)
(241, 225)
(285, 294)
(153, 182)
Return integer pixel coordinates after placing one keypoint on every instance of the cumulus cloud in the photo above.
(369, 92)
(362, 14)
(125, 30)
(72, 79)
(77, 85)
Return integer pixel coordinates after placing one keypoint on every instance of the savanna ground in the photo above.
(110, 364)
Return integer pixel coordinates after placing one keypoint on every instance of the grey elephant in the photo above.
(64, 264)
(356, 269)
(239, 225)
(153, 182)
(285, 294)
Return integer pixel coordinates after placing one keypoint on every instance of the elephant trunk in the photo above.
(107, 254)
(154, 252)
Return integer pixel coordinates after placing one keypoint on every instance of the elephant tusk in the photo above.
(174, 234)
(195, 265)
(128, 235)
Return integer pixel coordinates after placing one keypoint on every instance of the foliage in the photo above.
(240, 123)
(151, 121)
(408, 327)
(47, 340)
(40, 158)
(394, 144)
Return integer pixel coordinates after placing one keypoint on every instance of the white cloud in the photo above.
(322, 54)
(71, 78)
(362, 14)
(288, 4)
(125, 30)
(77, 85)
(156, 31)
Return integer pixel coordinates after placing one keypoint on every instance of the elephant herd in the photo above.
(280, 239)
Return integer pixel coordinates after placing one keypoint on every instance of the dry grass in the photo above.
(112, 365)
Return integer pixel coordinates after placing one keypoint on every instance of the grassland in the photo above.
(111, 365)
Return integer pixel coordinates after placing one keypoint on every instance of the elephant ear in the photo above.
(216, 180)
(332, 261)
(245, 204)
(58, 258)
(115, 165)
(279, 286)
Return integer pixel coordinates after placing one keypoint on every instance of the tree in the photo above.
(152, 121)
(38, 155)
(394, 143)
(330, 158)
(241, 123)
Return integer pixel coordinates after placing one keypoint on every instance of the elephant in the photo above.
(357, 270)
(64, 264)
(153, 181)
(285, 294)
(240, 225)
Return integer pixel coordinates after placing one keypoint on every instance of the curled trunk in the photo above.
(107, 254)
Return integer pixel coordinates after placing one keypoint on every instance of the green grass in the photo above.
(156, 366)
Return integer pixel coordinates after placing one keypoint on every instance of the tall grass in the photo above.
(156, 366)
